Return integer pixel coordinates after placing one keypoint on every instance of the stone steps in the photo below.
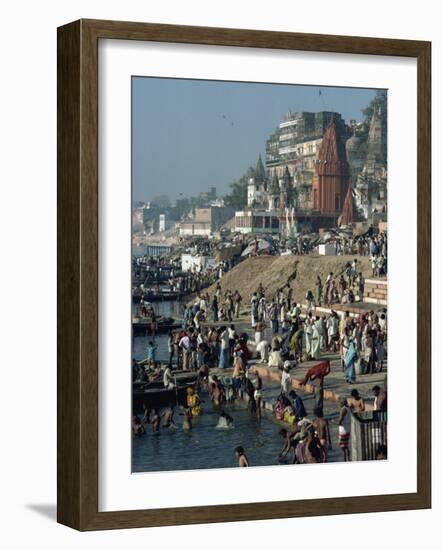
(376, 291)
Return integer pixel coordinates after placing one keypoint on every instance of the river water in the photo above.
(170, 308)
(205, 446)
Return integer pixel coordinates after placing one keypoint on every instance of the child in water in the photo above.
(243, 461)
(137, 426)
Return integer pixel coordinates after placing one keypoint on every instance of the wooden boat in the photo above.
(142, 325)
(154, 295)
(159, 396)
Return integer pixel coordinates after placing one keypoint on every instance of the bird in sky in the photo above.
(227, 120)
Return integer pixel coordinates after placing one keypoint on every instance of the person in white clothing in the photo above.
(286, 380)
(263, 349)
(308, 333)
(167, 379)
(316, 338)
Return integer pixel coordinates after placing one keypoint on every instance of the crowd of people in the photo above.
(361, 340)
(363, 245)
(310, 439)
(282, 334)
(161, 277)
(368, 244)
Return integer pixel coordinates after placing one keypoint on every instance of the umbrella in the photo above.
(262, 245)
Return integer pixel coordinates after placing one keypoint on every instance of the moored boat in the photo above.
(143, 325)
(155, 395)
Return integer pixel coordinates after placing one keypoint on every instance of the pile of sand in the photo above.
(274, 271)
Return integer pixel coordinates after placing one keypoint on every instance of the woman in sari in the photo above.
(193, 402)
(316, 338)
(331, 292)
(224, 358)
(344, 345)
(349, 363)
(296, 342)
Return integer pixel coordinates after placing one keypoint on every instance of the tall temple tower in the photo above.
(285, 185)
(331, 179)
(260, 173)
(376, 160)
(348, 215)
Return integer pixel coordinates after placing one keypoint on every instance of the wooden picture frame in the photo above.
(78, 273)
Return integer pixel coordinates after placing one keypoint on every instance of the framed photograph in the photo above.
(243, 275)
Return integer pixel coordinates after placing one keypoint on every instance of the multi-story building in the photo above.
(208, 196)
(295, 142)
(205, 221)
(317, 175)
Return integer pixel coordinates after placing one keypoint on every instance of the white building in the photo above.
(197, 263)
(256, 221)
(205, 221)
(162, 223)
(327, 249)
(255, 192)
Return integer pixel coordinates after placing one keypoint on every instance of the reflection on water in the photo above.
(206, 446)
(169, 308)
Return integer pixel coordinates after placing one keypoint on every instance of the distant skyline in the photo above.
(189, 135)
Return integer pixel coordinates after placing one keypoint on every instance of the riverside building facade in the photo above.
(319, 173)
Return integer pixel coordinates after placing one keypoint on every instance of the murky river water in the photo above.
(205, 446)
(168, 309)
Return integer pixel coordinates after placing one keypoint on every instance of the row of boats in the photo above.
(155, 294)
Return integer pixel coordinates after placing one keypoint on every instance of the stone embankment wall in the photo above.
(375, 291)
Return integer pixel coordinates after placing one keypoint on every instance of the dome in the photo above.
(355, 150)
(353, 143)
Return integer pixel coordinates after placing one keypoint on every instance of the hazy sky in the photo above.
(189, 135)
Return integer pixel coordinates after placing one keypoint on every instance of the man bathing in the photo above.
(322, 429)
(243, 461)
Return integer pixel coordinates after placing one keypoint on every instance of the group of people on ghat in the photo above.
(363, 245)
(218, 308)
(360, 340)
(344, 288)
(310, 440)
(297, 334)
(368, 244)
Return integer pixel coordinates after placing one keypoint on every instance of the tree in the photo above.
(379, 100)
(237, 198)
(161, 202)
(181, 209)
